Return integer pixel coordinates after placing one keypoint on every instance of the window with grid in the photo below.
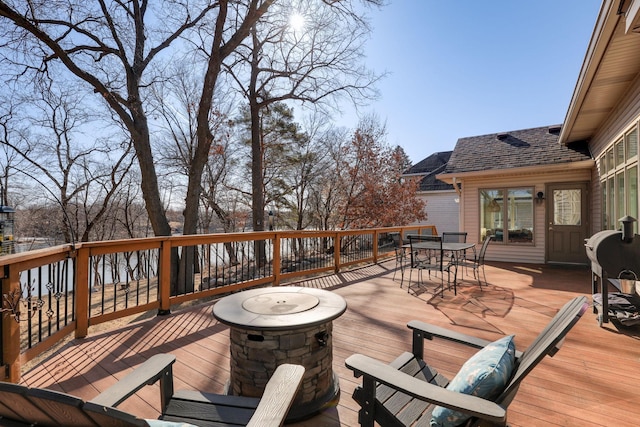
(618, 167)
(507, 214)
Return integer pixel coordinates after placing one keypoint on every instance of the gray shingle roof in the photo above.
(430, 167)
(514, 149)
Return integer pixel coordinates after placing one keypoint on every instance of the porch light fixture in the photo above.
(539, 197)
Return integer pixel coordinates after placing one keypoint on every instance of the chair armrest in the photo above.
(278, 396)
(422, 330)
(158, 367)
(419, 389)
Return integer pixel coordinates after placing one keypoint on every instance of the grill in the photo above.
(613, 254)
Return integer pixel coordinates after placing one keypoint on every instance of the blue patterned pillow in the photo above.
(485, 375)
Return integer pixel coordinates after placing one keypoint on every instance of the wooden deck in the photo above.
(593, 380)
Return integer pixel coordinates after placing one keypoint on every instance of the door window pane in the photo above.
(567, 207)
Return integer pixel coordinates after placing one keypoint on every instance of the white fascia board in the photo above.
(632, 17)
(603, 30)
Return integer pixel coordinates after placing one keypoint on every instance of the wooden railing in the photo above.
(50, 293)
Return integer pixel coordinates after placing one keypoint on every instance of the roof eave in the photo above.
(450, 177)
(602, 33)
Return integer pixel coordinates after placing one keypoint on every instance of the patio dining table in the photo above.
(455, 248)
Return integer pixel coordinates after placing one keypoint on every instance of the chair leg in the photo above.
(484, 274)
(399, 264)
(455, 279)
(476, 275)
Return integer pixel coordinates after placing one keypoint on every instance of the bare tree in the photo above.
(10, 162)
(85, 176)
(110, 45)
(314, 63)
(328, 194)
(176, 106)
(131, 217)
(306, 162)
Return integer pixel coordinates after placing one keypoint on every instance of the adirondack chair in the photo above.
(407, 391)
(23, 406)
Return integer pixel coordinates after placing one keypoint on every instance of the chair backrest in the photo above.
(435, 249)
(30, 406)
(547, 343)
(397, 241)
(417, 238)
(454, 237)
(483, 249)
(15, 406)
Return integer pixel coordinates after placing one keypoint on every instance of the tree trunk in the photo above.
(257, 183)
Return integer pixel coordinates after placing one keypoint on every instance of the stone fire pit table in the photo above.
(285, 324)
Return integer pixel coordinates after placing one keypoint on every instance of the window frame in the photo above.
(498, 195)
(616, 162)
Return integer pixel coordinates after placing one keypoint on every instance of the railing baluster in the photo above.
(226, 262)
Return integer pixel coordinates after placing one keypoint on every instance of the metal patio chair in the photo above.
(477, 262)
(428, 257)
(400, 256)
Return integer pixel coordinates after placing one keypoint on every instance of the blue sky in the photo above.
(472, 67)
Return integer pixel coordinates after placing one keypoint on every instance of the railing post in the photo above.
(164, 285)
(82, 293)
(10, 329)
(275, 261)
(336, 252)
(375, 246)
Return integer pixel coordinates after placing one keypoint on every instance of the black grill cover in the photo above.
(610, 254)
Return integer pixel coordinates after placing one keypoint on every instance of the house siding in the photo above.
(442, 210)
(470, 209)
(624, 116)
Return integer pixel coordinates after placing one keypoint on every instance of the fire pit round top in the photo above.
(280, 307)
(280, 303)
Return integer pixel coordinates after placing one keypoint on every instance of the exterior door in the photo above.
(567, 220)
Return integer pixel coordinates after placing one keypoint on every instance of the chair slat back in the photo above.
(454, 237)
(483, 249)
(436, 252)
(397, 241)
(16, 406)
(546, 343)
(112, 417)
(35, 406)
(65, 409)
(415, 238)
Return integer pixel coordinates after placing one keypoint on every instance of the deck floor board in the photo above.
(592, 381)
